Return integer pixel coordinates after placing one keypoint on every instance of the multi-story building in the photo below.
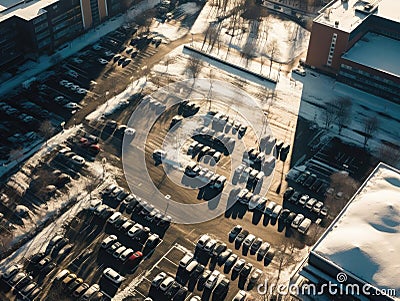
(357, 41)
(31, 28)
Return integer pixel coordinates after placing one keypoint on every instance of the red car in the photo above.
(134, 259)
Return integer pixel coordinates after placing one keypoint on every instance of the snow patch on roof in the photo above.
(365, 239)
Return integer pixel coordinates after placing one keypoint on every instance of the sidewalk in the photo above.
(75, 45)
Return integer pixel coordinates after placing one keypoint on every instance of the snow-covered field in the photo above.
(283, 40)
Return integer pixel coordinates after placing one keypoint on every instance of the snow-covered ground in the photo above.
(283, 40)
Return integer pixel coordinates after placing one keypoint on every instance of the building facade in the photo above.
(343, 25)
(29, 29)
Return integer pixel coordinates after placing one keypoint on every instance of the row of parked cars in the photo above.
(312, 182)
(219, 141)
(76, 287)
(225, 257)
(246, 174)
(222, 122)
(198, 149)
(134, 205)
(312, 204)
(214, 180)
(168, 288)
(21, 282)
(124, 254)
(252, 244)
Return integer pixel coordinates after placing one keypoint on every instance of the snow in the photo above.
(168, 31)
(113, 103)
(389, 9)
(287, 38)
(26, 11)
(343, 12)
(365, 238)
(45, 62)
(376, 51)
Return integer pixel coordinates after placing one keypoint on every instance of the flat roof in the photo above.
(26, 11)
(376, 51)
(350, 14)
(364, 240)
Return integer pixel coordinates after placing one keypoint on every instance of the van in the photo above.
(113, 218)
(304, 226)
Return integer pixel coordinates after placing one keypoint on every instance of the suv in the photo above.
(248, 241)
(186, 260)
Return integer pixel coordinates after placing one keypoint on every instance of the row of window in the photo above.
(370, 82)
(367, 74)
(331, 50)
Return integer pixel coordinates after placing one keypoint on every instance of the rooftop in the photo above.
(23, 10)
(365, 238)
(347, 15)
(377, 52)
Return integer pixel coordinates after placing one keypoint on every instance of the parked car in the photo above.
(297, 221)
(158, 279)
(234, 232)
(304, 226)
(113, 276)
(255, 245)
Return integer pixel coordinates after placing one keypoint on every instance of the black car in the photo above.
(230, 262)
(221, 289)
(295, 197)
(245, 271)
(289, 219)
(240, 238)
(34, 259)
(111, 125)
(284, 214)
(48, 268)
(143, 235)
(218, 249)
(63, 242)
(181, 294)
(224, 256)
(127, 201)
(197, 271)
(173, 289)
(234, 232)
(23, 282)
(269, 256)
(202, 279)
(119, 222)
(121, 196)
(131, 205)
(288, 193)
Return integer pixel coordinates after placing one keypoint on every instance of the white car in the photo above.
(82, 91)
(78, 160)
(59, 99)
(135, 230)
(297, 221)
(202, 241)
(240, 296)
(63, 82)
(94, 203)
(300, 71)
(108, 241)
(72, 106)
(102, 61)
(113, 276)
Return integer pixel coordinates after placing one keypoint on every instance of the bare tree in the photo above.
(344, 187)
(273, 51)
(371, 125)
(389, 154)
(194, 66)
(330, 114)
(145, 19)
(343, 112)
(46, 129)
